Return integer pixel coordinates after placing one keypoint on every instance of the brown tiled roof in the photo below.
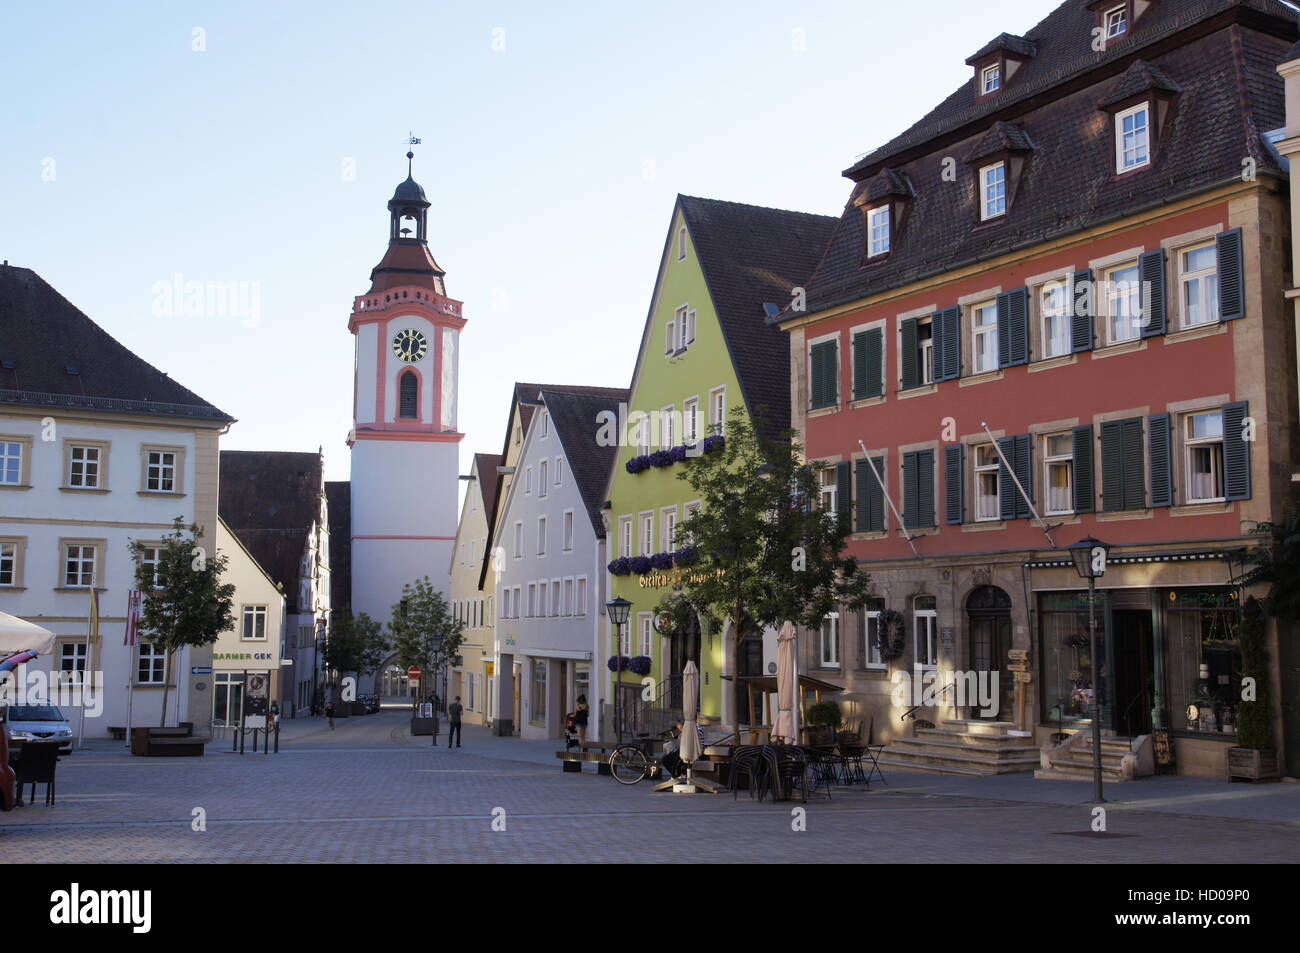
(270, 500)
(1003, 137)
(1230, 94)
(338, 503)
(53, 356)
(1016, 45)
(750, 256)
(486, 464)
(1137, 79)
(575, 413)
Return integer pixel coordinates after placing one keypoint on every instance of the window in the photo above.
(1058, 460)
(543, 424)
(568, 597)
(254, 623)
(151, 664)
(1203, 439)
(555, 597)
(869, 648)
(1132, 138)
(918, 489)
(149, 562)
(462, 554)
(79, 566)
(691, 420)
(625, 536)
(990, 78)
(647, 534)
(644, 620)
(1116, 22)
(670, 528)
(8, 564)
(580, 607)
(538, 713)
(473, 551)
(505, 603)
(1054, 308)
(718, 410)
(984, 337)
(925, 620)
(642, 433)
(878, 231)
(670, 338)
(72, 662)
(528, 481)
(688, 329)
(684, 322)
(868, 364)
(993, 190)
(83, 467)
(408, 396)
(559, 471)
(541, 535)
(827, 493)
(1123, 465)
(518, 600)
(568, 531)
(829, 643)
(1124, 303)
(519, 539)
(925, 352)
(666, 434)
(823, 374)
(1199, 277)
(681, 243)
(160, 472)
(987, 463)
(11, 463)
(541, 479)
(532, 599)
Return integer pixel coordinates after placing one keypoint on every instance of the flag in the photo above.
(94, 616)
(133, 606)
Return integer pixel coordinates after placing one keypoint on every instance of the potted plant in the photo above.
(1256, 757)
(824, 720)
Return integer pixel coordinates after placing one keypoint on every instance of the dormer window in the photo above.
(878, 231)
(1133, 138)
(1116, 21)
(990, 79)
(993, 190)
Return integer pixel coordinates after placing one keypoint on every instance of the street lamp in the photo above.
(617, 609)
(317, 653)
(1089, 557)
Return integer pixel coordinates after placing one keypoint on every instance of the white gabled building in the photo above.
(471, 603)
(550, 543)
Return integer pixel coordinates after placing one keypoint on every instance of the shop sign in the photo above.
(1071, 601)
(677, 577)
(1202, 598)
(1025, 677)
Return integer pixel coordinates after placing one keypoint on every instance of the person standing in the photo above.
(453, 721)
(580, 714)
(329, 713)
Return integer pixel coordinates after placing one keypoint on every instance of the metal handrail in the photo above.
(912, 711)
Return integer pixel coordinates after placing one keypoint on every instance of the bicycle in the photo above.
(628, 764)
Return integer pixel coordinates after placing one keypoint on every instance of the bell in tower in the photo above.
(408, 260)
(409, 210)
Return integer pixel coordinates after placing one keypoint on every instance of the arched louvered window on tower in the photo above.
(408, 406)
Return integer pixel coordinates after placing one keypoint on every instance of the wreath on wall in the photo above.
(890, 638)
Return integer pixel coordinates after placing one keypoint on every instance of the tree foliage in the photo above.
(422, 630)
(355, 644)
(1275, 562)
(183, 600)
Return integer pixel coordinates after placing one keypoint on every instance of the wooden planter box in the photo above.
(1253, 764)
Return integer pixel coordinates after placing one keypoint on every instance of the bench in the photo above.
(166, 743)
(572, 761)
(117, 732)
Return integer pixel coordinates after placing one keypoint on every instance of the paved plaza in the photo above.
(368, 792)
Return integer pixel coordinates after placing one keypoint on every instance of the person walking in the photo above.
(329, 713)
(580, 714)
(453, 721)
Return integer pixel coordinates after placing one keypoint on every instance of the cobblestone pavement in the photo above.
(369, 792)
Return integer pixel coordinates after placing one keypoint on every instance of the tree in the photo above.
(765, 553)
(422, 630)
(183, 600)
(355, 644)
(1275, 562)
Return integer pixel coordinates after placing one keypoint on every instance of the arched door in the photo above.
(683, 647)
(989, 614)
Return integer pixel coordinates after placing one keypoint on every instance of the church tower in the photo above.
(404, 441)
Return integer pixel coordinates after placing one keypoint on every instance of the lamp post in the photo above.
(1089, 557)
(617, 609)
(317, 651)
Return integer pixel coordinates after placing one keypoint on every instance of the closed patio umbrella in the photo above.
(690, 751)
(17, 635)
(786, 690)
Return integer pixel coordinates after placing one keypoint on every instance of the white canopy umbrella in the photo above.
(18, 634)
(786, 690)
(690, 750)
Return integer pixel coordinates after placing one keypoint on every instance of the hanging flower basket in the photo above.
(617, 663)
(661, 561)
(684, 556)
(890, 639)
(620, 567)
(664, 624)
(640, 565)
(639, 665)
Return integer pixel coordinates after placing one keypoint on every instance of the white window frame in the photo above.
(167, 476)
(568, 531)
(528, 481)
(986, 512)
(1144, 146)
(718, 410)
(92, 458)
(625, 535)
(580, 603)
(80, 559)
(691, 420)
(925, 621)
(254, 614)
(993, 191)
(75, 652)
(545, 429)
(568, 596)
(9, 557)
(519, 598)
(829, 659)
(542, 474)
(871, 657)
(155, 657)
(828, 491)
(1058, 344)
(646, 537)
(666, 434)
(645, 633)
(986, 331)
(462, 554)
(642, 433)
(878, 244)
(532, 601)
(670, 338)
(668, 517)
(11, 460)
(1051, 460)
(505, 602)
(681, 243)
(1191, 445)
(519, 539)
(1115, 26)
(1132, 295)
(993, 73)
(1209, 296)
(924, 352)
(680, 318)
(541, 535)
(555, 597)
(559, 471)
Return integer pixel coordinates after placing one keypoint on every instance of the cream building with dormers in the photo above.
(551, 552)
(97, 449)
(471, 604)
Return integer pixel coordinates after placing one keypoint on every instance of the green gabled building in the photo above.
(706, 348)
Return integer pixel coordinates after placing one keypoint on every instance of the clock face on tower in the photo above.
(410, 345)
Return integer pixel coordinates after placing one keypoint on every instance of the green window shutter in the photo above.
(831, 373)
(1151, 267)
(1082, 309)
(860, 391)
(1162, 471)
(948, 361)
(1135, 491)
(1023, 463)
(910, 498)
(871, 497)
(1006, 489)
(911, 372)
(1232, 288)
(936, 346)
(815, 377)
(1013, 327)
(1084, 492)
(875, 362)
(824, 390)
(1112, 469)
(844, 494)
(925, 487)
(952, 483)
(1236, 451)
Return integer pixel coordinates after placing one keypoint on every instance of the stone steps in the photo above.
(1076, 765)
(970, 747)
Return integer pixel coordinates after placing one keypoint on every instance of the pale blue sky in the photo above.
(552, 166)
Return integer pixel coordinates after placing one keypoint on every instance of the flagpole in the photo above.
(85, 673)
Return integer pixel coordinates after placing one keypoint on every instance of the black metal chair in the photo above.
(822, 762)
(35, 764)
(746, 761)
